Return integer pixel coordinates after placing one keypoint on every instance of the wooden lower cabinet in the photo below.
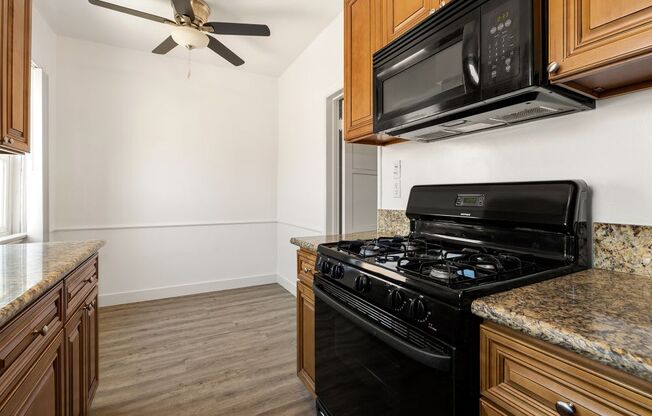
(40, 393)
(92, 363)
(48, 368)
(75, 334)
(524, 376)
(306, 319)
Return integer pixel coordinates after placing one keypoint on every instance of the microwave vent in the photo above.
(437, 135)
(528, 114)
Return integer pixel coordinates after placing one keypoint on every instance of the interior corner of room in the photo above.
(333, 208)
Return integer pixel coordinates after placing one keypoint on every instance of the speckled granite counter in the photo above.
(602, 315)
(311, 243)
(27, 271)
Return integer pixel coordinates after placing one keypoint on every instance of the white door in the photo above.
(359, 188)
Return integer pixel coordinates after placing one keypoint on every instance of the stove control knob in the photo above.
(338, 272)
(418, 310)
(362, 283)
(396, 299)
(325, 267)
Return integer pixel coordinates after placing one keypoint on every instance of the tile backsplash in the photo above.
(623, 248)
(392, 222)
(617, 247)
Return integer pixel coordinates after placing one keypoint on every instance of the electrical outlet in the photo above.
(396, 169)
(396, 189)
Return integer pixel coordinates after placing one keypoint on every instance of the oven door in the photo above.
(366, 369)
(428, 77)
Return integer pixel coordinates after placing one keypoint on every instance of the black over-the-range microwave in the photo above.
(474, 65)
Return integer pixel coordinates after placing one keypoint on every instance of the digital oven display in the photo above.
(470, 200)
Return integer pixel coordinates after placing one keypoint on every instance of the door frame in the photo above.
(334, 132)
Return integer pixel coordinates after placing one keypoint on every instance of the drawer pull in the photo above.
(43, 331)
(89, 280)
(565, 409)
(306, 270)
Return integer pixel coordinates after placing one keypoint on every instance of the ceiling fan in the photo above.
(191, 28)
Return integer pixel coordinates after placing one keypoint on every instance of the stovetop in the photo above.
(442, 263)
(451, 272)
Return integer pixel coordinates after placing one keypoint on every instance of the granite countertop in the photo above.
(311, 243)
(27, 271)
(603, 315)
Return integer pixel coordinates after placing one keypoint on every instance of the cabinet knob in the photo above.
(443, 3)
(43, 331)
(89, 280)
(306, 270)
(553, 68)
(432, 11)
(565, 409)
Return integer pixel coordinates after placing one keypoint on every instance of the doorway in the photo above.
(352, 177)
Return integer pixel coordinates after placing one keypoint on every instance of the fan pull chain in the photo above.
(189, 64)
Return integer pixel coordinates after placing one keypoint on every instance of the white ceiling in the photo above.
(293, 23)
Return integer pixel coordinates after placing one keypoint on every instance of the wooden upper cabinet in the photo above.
(602, 47)
(15, 40)
(360, 40)
(363, 36)
(402, 15)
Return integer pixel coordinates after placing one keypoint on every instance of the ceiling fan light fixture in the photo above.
(189, 37)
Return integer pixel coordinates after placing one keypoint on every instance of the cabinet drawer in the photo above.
(489, 409)
(306, 261)
(25, 338)
(525, 376)
(79, 284)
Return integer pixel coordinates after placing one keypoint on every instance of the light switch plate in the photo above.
(396, 189)
(396, 169)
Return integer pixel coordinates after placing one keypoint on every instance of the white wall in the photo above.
(610, 148)
(178, 175)
(303, 89)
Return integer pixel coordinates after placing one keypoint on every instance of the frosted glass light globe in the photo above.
(189, 37)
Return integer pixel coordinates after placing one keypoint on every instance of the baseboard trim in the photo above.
(121, 298)
(287, 284)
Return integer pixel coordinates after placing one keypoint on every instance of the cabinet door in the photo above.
(306, 336)
(589, 36)
(41, 392)
(402, 15)
(91, 350)
(16, 75)
(359, 42)
(75, 352)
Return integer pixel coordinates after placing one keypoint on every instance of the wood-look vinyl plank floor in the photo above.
(222, 353)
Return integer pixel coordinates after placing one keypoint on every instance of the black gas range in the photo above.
(394, 331)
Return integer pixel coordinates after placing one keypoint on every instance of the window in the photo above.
(12, 196)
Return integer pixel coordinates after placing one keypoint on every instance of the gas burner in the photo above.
(369, 251)
(441, 272)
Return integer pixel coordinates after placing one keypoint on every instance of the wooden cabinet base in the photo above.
(40, 393)
(306, 261)
(48, 368)
(521, 375)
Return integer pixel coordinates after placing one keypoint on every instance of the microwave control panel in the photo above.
(500, 43)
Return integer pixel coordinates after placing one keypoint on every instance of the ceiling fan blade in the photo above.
(184, 8)
(166, 46)
(242, 29)
(226, 53)
(132, 12)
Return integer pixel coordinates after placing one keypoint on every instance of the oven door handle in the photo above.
(427, 358)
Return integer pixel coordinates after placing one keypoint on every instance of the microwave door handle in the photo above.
(427, 358)
(470, 58)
